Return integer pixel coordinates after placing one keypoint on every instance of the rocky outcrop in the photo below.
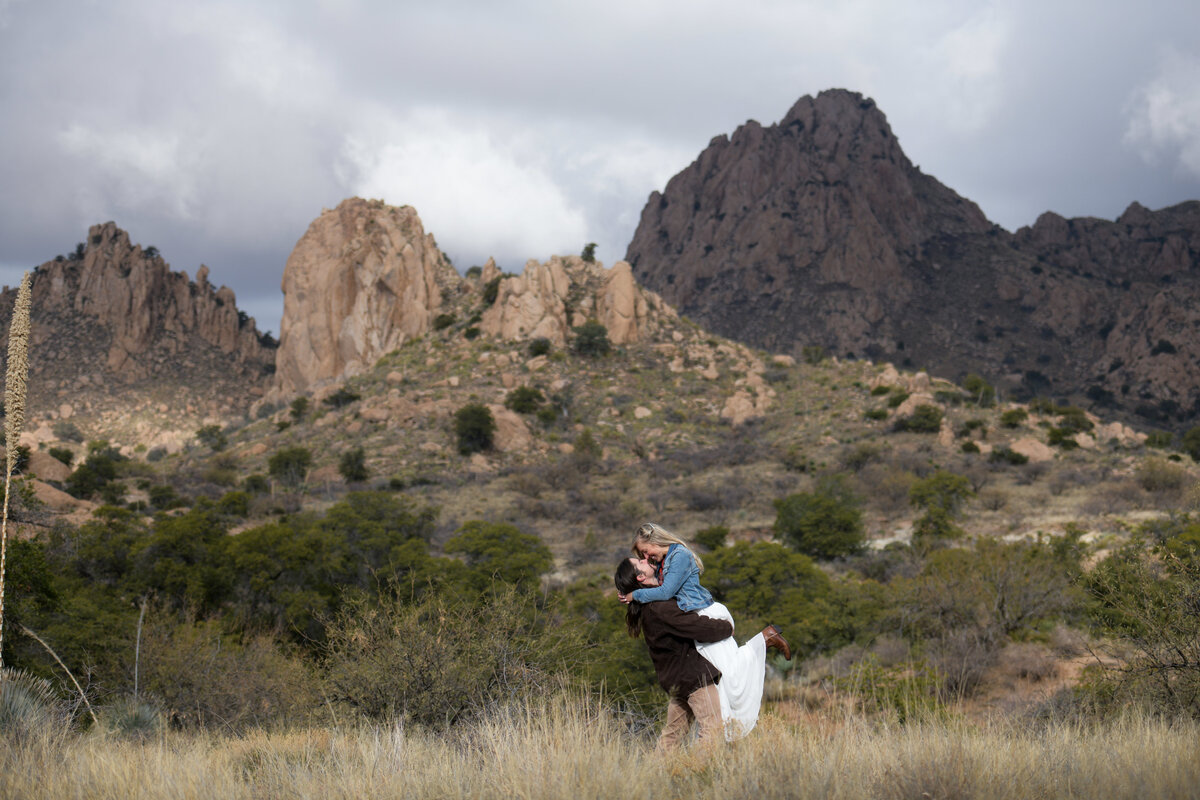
(363, 279)
(819, 232)
(549, 299)
(116, 331)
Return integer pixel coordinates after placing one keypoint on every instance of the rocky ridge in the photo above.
(121, 340)
(818, 231)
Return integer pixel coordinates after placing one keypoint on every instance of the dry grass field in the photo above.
(578, 749)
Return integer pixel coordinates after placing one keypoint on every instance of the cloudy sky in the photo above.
(217, 131)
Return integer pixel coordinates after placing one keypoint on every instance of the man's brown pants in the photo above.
(702, 705)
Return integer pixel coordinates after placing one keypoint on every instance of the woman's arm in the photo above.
(675, 573)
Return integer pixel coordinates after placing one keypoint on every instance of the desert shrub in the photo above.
(234, 504)
(256, 484)
(1013, 418)
(824, 524)
(1148, 605)
(97, 471)
(906, 692)
(884, 487)
(63, 454)
(299, 408)
(1159, 439)
(491, 291)
(204, 677)
(1190, 443)
(440, 662)
(213, 437)
(970, 426)
(353, 466)
(589, 252)
(591, 339)
(472, 333)
(969, 446)
(67, 431)
(342, 398)
(1006, 455)
(860, 456)
(993, 499)
(712, 537)
(794, 459)
(875, 413)
(813, 354)
(880, 390)
(540, 346)
(898, 397)
(290, 465)
(982, 393)
(475, 428)
(443, 321)
(941, 496)
(524, 400)
(163, 497)
(924, 419)
(1161, 476)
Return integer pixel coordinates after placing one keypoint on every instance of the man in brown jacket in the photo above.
(671, 635)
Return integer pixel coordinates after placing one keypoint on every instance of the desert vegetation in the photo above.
(403, 586)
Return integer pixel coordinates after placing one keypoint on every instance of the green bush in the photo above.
(969, 447)
(589, 252)
(212, 437)
(875, 413)
(824, 524)
(813, 354)
(299, 408)
(982, 393)
(897, 399)
(524, 400)
(443, 321)
(472, 333)
(475, 428)
(1008, 456)
(540, 346)
(496, 551)
(712, 537)
(941, 496)
(591, 339)
(924, 419)
(1190, 443)
(67, 431)
(341, 398)
(353, 466)
(1013, 418)
(1159, 439)
(62, 454)
(256, 484)
(491, 291)
(164, 497)
(290, 465)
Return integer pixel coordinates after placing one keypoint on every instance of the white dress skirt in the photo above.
(742, 672)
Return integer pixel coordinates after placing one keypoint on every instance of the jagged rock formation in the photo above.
(549, 299)
(364, 278)
(819, 231)
(117, 333)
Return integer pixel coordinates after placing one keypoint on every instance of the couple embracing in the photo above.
(708, 677)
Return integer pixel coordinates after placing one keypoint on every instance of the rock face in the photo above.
(548, 299)
(818, 231)
(113, 325)
(364, 278)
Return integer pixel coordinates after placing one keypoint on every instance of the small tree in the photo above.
(524, 400)
(823, 524)
(591, 339)
(299, 408)
(589, 252)
(924, 419)
(353, 466)
(290, 465)
(475, 427)
(941, 496)
(213, 437)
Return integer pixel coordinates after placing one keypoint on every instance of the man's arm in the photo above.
(690, 625)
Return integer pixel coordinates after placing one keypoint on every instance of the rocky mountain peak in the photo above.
(819, 232)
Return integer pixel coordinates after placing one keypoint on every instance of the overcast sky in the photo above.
(217, 131)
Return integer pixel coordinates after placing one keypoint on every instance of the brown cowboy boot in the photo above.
(775, 641)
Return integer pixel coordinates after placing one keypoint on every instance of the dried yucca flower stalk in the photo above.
(14, 405)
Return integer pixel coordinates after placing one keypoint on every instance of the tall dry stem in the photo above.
(14, 404)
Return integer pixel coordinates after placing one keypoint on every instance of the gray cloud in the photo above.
(218, 130)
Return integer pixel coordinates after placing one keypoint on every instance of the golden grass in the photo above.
(571, 749)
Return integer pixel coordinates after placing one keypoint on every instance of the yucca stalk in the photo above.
(14, 406)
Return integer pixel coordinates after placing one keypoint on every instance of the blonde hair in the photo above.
(650, 533)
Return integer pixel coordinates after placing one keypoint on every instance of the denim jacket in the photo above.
(681, 580)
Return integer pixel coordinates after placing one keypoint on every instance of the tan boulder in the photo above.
(740, 407)
(910, 405)
(512, 434)
(1032, 449)
(47, 467)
